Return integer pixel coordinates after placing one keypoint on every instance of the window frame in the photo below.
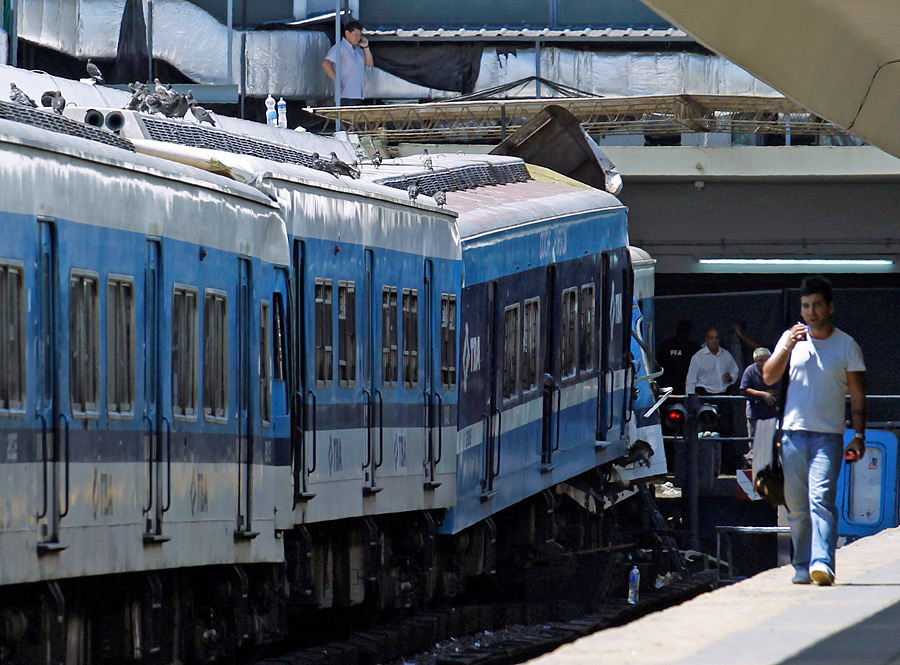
(531, 345)
(84, 408)
(448, 341)
(390, 337)
(347, 333)
(114, 282)
(279, 339)
(587, 340)
(192, 353)
(215, 349)
(512, 318)
(568, 347)
(13, 320)
(410, 338)
(323, 338)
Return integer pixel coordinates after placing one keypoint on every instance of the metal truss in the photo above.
(491, 120)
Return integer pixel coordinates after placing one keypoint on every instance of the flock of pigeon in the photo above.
(163, 100)
(173, 104)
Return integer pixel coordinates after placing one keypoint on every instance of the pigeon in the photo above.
(55, 100)
(190, 98)
(153, 103)
(162, 89)
(176, 106)
(202, 114)
(376, 159)
(138, 97)
(20, 97)
(440, 198)
(412, 191)
(360, 155)
(94, 72)
(339, 167)
(426, 160)
(319, 163)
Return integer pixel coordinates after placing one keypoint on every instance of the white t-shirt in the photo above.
(817, 391)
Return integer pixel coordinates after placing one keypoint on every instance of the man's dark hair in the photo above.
(817, 284)
(353, 25)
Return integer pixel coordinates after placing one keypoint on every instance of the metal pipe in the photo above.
(537, 68)
(150, 41)
(229, 6)
(338, 36)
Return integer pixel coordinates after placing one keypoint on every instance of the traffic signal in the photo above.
(674, 419)
(708, 417)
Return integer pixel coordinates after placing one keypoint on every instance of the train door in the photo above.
(550, 376)
(491, 417)
(54, 424)
(154, 420)
(243, 326)
(303, 413)
(370, 385)
(615, 334)
(433, 400)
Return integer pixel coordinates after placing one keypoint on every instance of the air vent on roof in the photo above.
(461, 177)
(60, 125)
(195, 136)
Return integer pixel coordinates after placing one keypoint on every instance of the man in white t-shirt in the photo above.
(824, 363)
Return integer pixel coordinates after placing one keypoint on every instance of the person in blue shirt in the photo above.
(355, 57)
(762, 399)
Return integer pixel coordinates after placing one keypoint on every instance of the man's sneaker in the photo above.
(801, 577)
(821, 575)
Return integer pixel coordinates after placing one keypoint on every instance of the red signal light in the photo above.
(675, 418)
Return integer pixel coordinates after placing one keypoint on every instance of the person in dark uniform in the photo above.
(675, 355)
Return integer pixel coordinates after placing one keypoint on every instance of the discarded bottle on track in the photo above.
(271, 113)
(634, 584)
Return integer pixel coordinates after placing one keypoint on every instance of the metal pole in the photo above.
(537, 67)
(693, 472)
(229, 51)
(338, 36)
(149, 41)
(243, 91)
(14, 35)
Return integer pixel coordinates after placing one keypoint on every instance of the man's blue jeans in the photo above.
(812, 463)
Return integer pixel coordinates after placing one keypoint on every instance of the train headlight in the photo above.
(674, 419)
(708, 417)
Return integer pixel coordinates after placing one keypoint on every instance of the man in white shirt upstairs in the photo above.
(355, 57)
(713, 369)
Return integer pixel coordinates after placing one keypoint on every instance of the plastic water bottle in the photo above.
(282, 113)
(634, 585)
(271, 114)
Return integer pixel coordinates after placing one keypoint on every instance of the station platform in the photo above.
(765, 620)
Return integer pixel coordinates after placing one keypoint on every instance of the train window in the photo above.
(120, 363)
(12, 337)
(279, 339)
(410, 338)
(587, 320)
(184, 352)
(510, 351)
(347, 333)
(389, 323)
(448, 341)
(265, 367)
(568, 341)
(215, 355)
(324, 333)
(531, 340)
(84, 343)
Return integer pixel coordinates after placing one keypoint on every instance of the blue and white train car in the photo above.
(136, 427)
(545, 374)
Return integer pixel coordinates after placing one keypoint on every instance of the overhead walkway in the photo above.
(766, 620)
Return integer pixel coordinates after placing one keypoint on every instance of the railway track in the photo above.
(489, 634)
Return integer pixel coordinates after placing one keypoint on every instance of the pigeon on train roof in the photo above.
(94, 72)
(202, 114)
(19, 97)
